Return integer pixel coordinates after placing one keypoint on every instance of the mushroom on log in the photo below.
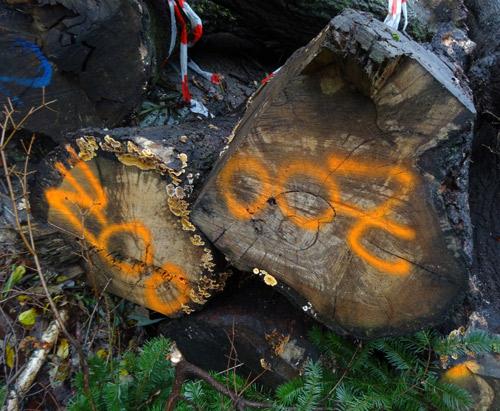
(346, 182)
(122, 198)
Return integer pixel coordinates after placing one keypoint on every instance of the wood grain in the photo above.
(126, 205)
(335, 182)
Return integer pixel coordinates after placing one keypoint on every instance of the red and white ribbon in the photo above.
(194, 19)
(176, 17)
(173, 28)
(214, 78)
(271, 75)
(394, 14)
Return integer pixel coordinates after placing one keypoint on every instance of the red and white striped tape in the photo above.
(176, 16)
(271, 75)
(394, 14)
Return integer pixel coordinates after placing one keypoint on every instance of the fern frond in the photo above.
(446, 395)
(288, 393)
(420, 341)
(334, 346)
(475, 341)
(154, 372)
(398, 356)
(311, 393)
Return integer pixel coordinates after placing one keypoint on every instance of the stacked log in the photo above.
(93, 58)
(345, 183)
(344, 186)
(121, 201)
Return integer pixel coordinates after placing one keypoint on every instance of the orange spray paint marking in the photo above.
(71, 202)
(137, 228)
(376, 218)
(80, 196)
(250, 166)
(458, 372)
(175, 278)
(370, 218)
(315, 173)
(399, 266)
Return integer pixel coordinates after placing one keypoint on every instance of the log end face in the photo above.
(140, 239)
(324, 189)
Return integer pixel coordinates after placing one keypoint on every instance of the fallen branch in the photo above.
(29, 240)
(184, 369)
(26, 378)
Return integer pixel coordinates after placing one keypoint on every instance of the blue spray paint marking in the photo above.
(37, 82)
(6, 92)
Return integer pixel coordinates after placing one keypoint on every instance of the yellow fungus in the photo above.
(197, 240)
(186, 224)
(88, 147)
(144, 163)
(270, 280)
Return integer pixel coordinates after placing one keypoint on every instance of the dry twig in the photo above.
(28, 240)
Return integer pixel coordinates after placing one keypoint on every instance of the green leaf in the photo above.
(142, 321)
(475, 341)
(14, 278)
(28, 318)
(9, 355)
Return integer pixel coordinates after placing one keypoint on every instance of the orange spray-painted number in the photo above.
(84, 199)
(367, 219)
(314, 172)
(250, 167)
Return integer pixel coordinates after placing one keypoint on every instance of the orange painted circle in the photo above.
(175, 278)
(317, 173)
(396, 267)
(136, 228)
(251, 166)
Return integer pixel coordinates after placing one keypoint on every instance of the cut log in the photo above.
(287, 24)
(92, 57)
(265, 329)
(484, 74)
(346, 181)
(125, 199)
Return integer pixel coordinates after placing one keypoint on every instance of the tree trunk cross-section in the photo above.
(337, 182)
(143, 246)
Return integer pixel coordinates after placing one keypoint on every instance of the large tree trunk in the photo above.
(92, 57)
(124, 198)
(346, 182)
(484, 73)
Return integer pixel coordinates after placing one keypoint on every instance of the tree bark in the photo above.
(346, 182)
(484, 74)
(92, 57)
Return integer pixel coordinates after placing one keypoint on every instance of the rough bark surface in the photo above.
(93, 57)
(484, 73)
(346, 182)
(263, 326)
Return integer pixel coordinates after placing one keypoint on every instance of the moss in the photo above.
(213, 15)
(420, 32)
